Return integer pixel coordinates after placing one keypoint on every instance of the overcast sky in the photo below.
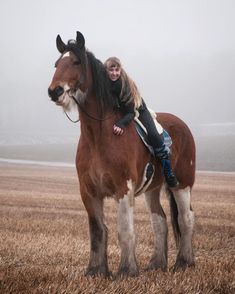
(181, 53)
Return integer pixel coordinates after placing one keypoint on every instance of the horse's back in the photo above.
(183, 147)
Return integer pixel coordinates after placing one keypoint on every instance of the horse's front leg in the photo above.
(128, 265)
(98, 236)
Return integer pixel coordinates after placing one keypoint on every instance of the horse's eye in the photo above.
(77, 62)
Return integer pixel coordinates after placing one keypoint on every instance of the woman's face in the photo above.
(114, 73)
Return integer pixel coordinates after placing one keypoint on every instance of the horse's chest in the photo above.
(100, 174)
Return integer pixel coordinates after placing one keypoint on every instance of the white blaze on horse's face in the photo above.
(64, 100)
(67, 54)
(61, 80)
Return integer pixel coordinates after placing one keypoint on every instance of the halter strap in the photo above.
(89, 115)
(73, 121)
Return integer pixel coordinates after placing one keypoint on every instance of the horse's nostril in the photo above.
(55, 93)
(59, 91)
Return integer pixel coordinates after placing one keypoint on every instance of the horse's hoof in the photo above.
(127, 272)
(182, 264)
(154, 266)
(98, 271)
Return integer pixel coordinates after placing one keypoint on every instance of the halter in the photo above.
(87, 114)
(79, 83)
(73, 121)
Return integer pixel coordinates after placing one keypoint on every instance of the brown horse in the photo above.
(113, 166)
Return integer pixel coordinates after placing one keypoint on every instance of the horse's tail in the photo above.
(174, 217)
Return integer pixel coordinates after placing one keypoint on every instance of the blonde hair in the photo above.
(129, 91)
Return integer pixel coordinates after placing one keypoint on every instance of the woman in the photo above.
(129, 102)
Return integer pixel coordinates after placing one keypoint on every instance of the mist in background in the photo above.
(180, 53)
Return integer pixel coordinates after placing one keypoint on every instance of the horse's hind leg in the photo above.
(98, 236)
(185, 255)
(128, 265)
(160, 231)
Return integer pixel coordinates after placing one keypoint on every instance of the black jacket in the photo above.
(125, 107)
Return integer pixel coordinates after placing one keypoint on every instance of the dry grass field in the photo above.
(44, 245)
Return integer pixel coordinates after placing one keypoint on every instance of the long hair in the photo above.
(129, 91)
(100, 82)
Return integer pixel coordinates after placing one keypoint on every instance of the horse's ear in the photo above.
(60, 44)
(80, 40)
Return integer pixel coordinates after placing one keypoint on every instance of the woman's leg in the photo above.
(154, 137)
(161, 151)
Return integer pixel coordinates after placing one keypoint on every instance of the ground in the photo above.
(44, 245)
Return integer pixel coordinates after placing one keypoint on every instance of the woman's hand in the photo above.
(117, 131)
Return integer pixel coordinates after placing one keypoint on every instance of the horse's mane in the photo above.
(101, 84)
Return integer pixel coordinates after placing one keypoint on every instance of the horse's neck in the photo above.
(95, 127)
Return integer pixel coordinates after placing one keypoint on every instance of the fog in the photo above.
(180, 53)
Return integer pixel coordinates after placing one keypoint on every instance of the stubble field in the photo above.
(44, 245)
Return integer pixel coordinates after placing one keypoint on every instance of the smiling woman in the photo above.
(116, 166)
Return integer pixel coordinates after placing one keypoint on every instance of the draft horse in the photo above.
(113, 166)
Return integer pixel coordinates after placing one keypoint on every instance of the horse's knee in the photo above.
(186, 221)
(125, 222)
(183, 201)
(128, 265)
(98, 233)
(125, 212)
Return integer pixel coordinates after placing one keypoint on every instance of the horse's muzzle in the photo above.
(55, 93)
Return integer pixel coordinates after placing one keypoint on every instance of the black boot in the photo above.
(171, 179)
(163, 154)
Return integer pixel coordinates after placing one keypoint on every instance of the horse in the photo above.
(113, 166)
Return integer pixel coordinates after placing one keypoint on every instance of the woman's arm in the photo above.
(129, 114)
(127, 109)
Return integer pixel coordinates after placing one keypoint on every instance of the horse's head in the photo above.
(70, 76)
